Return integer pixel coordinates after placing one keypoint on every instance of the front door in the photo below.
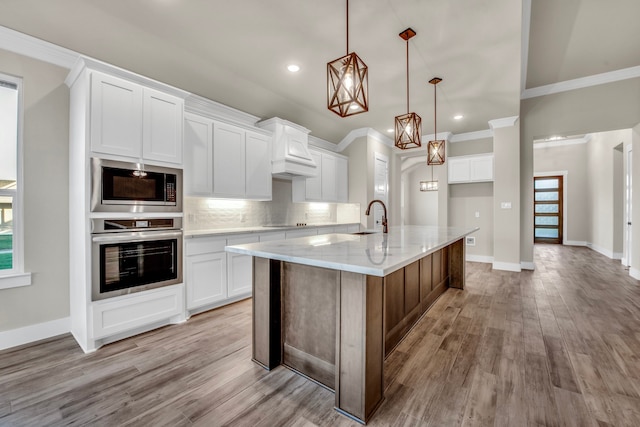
(547, 209)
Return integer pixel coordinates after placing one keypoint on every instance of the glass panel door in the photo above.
(547, 212)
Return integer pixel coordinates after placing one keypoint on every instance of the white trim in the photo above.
(582, 82)
(526, 265)
(524, 52)
(314, 141)
(359, 133)
(479, 258)
(634, 272)
(217, 111)
(565, 198)
(507, 266)
(617, 255)
(15, 280)
(504, 122)
(14, 41)
(471, 136)
(574, 243)
(562, 142)
(604, 251)
(28, 334)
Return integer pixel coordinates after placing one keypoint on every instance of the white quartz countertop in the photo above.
(374, 254)
(257, 229)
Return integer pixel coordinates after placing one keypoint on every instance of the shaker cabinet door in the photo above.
(116, 116)
(162, 127)
(228, 160)
(198, 156)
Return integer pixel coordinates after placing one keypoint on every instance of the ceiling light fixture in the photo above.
(435, 148)
(458, 117)
(408, 126)
(293, 68)
(347, 83)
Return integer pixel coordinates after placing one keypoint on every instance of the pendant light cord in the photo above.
(347, 27)
(407, 76)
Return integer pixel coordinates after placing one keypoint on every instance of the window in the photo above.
(547, 209)
(11, 263)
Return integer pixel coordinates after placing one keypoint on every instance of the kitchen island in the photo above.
(332, 307)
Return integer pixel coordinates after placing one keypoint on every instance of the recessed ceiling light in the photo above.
(354, 106)
(293, 68)
(390, 130)
(458, 117)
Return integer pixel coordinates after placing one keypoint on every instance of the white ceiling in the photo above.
(236, 52)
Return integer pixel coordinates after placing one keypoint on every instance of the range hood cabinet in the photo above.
(291, 157)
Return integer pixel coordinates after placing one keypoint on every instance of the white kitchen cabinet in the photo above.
(133, 121)
(162, 127)
(205, 271)
(342, 179)
(121, 314)
(228, 160)
(258, 166)
(267, 237)
(225, 161)
(304, 232)
(198, 155)
(116, 116)
(240, 268)
(329, 185)
(465, 169)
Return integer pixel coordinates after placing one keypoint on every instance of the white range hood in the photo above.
(291, 157)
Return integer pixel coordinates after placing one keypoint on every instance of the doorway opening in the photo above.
(547, 210)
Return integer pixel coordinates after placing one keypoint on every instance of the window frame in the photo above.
(16, 276)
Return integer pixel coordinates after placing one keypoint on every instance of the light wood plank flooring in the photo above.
(556, 347)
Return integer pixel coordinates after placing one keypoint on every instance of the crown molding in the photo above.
(471, 136)
(215, 110)
(562, 142)
(503, 123)
(23, 44)
(321, 143)
(582, 82)
(362, 132)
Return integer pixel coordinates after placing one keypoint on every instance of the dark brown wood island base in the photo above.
(336, 327)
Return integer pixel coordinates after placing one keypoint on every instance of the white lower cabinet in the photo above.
(240, 268)
(206, 271)
(128, 312)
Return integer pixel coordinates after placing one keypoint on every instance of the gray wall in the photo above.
(46, 193)
(573, 160)
(595, 109)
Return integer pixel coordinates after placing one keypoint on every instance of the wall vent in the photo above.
(471, 241)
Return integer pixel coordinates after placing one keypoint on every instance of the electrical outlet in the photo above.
(477, 214)
(471, 241)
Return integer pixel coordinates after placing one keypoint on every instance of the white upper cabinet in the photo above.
(476, 168)
(228, 160)
(116, 116)
(225, 161)
(258, 166)
(133, 121)
(331, 183)
(198, 155)
(162, 127)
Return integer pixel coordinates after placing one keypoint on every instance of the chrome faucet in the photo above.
(385, 229)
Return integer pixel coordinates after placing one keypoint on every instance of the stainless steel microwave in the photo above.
(131, 187)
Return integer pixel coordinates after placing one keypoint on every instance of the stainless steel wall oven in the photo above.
(133, 255)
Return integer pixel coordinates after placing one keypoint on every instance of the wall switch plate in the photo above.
(505, 205)
(470, 241)
(477, 214)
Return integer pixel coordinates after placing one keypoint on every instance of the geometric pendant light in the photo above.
(408, 127)
(435, 148)
(347, 83)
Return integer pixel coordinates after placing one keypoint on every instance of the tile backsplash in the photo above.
(205, 214)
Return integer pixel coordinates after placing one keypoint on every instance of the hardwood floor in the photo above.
(556, 347)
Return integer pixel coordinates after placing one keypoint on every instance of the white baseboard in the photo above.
(507, 266)
(575, 243)
(526, 265)
(618, 255)
(27, 334)
(479, 258)
(635, 273)
(604, 251)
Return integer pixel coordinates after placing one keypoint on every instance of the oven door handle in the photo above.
(135, 236)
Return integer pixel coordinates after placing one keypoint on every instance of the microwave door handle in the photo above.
(135, 237)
